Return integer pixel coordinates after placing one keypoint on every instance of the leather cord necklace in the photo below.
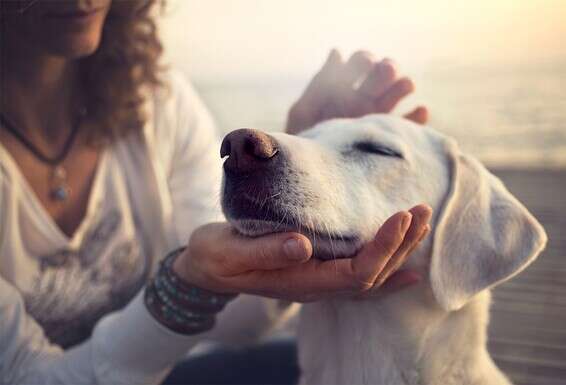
(60, 190)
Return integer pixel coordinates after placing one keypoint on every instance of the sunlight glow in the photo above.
(243, 38)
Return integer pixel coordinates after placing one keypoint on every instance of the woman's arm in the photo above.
(126, 347)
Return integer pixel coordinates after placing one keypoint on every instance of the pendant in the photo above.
(60, 191)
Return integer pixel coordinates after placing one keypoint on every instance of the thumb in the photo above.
(268, 252)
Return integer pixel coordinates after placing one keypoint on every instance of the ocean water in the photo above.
(506, 118)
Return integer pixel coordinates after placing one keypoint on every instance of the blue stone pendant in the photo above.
(61, 190)
(60, 193)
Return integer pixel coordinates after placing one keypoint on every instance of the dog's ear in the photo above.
(483, 235)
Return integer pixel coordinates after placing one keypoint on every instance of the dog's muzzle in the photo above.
(254, 175)
(258, 196)
(249, 152)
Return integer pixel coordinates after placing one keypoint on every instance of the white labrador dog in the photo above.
(336, 183)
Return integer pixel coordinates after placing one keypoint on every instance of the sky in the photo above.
(254, 39)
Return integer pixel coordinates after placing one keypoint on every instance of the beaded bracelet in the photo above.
(179, 306)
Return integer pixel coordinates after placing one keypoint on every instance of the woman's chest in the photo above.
(73, 286)
(69, 282)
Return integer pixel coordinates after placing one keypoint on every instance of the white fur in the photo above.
(433, 332)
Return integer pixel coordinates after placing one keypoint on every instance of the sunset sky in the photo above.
(241, 39)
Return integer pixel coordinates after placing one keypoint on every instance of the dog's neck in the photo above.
(401, 338)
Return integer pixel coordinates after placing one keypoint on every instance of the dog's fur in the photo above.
(338, 194)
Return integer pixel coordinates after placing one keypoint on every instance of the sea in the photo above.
(507, 118)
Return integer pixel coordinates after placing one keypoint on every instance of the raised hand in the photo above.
(360, 86)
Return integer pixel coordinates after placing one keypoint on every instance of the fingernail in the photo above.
(406, 222)
(294, 249)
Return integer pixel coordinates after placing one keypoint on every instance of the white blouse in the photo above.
(150, 191)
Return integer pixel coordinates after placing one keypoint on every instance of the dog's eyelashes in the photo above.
(374, 148)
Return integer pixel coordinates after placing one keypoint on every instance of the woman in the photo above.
(107, 164)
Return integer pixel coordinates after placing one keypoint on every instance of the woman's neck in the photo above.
(39, 91)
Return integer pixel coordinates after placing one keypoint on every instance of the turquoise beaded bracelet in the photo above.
(180, 306)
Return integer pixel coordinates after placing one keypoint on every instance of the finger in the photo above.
(394, 94)
(421, 217)
(402, 278)
(419, 115)
(412, 248)
(380, 78)
(422, 212)
(416, 233)
(410, 243)
(358, 66)
(368, 264)
(267, 252)
(424, 233)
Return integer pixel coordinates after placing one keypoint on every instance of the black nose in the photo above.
(247, 150)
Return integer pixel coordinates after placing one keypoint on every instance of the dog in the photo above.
(336, 183)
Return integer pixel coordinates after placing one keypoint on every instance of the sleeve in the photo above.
(194, 180)
(126, 347)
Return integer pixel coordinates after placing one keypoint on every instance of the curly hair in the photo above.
(121, 70)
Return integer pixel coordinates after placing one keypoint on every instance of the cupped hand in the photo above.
(360, 86)
(280, 265)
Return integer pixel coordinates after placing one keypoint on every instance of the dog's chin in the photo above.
(326, 245)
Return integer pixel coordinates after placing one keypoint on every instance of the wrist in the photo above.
(180, 305)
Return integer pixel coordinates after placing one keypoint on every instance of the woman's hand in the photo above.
(334, 92)
(280, 265)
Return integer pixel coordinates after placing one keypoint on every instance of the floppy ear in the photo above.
(483, 235)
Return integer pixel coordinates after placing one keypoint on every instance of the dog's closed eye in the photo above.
(375, 148)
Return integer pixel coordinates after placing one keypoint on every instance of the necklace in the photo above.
(59, 190)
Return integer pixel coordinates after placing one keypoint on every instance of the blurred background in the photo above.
(492, 72)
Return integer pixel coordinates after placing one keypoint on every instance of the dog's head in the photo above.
(337, 182)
